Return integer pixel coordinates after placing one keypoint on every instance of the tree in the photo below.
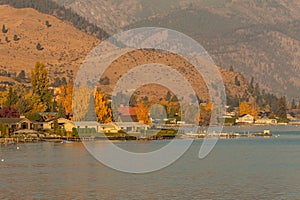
(56, 127)
(39, 47)
(17, 97)
(12, 97)
(22, 75)
(251, 86)
(23, 105)
(143, 111)
(236, 81)
(105, 81)
(102, 109)
(34, 116)
(63, 81)
(9, 112)
(282, 108)
(174, 98)
(4, 29)
(16, 38)
(7, 40)
(293, 105)
(254, 110)
(61, 111)
(244, 108)
(133, 101)
(41, 94)
(4, 131)
(81, 102)
(65, 97)
(168, 96)
(48, 24)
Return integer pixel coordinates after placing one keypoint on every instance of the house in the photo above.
(132, 127)
(88, 125)
(110, 128)
(295, 122)
(127, 114)
(15, 124)
(245, 119)
(48, 116)
(266, 120)
(62, 122)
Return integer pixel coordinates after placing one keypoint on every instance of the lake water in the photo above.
(246, 168)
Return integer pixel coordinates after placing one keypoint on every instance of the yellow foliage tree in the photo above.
(81, 102)
(244, 108)
(205, 113)
(103, 111)
(3, 96)
(254, 110)
(65, 97)
(41, 94)
(143, 113)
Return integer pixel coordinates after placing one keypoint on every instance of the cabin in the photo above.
(245, 119)
(16, 124)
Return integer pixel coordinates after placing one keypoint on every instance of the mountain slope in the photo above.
(258, 38)
(64, 47)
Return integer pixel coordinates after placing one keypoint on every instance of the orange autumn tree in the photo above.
(65, 97)
(205, 113)
(254, 110)
(244, 108)
(143, 111)
(102, 109)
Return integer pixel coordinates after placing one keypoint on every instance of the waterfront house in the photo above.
(132, 127)
(266, 120)
(62, 122)
(15, 124)
(109, 128)
(295, 122)
(88, 125)
(245, 119)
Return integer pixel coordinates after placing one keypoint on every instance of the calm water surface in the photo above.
(249, 168)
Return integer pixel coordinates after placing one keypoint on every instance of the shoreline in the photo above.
(5, 141)
(228, 132)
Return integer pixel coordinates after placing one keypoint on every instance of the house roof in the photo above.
(244, 115)
(128, 118)
(12, 120)
(129, 111)
(131, 124)
(86, 123)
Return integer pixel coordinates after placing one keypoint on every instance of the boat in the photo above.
(66, 142)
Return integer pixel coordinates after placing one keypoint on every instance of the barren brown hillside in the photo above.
(155, 92)
(64, 47)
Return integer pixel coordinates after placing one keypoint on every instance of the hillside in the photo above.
(155, 92)
(258, 38)
(63, 46)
